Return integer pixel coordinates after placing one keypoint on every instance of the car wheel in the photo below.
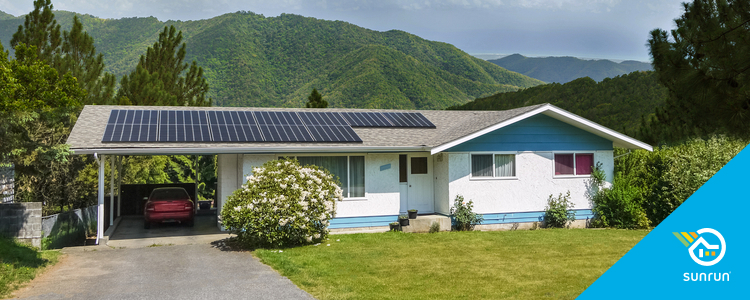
(146, 225)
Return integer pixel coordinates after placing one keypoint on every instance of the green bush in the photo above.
(462, 216)
(619, 207)
(669, 175)
(281, 205)
(434, 227)
(557, 214)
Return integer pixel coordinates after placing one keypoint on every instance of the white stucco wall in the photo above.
(529, 192)
(441, 185)
(381, 187)
(229, 178)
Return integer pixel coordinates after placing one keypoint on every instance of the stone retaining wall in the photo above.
(22, 221)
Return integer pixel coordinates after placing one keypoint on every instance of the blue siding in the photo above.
(353, 222)
(536, 133)
(500, 218)
(537, 216)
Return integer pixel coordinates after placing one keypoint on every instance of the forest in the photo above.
(252, 60)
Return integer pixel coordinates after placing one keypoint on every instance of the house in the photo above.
(507, 162)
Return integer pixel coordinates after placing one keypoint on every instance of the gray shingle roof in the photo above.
(450, 125)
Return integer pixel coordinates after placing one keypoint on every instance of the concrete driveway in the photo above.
(130, 233)
(166, 272)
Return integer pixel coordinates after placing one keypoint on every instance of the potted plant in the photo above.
(404, 220)
(412, 213)
(394, 226)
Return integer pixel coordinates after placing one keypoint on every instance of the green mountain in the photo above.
(618, 103)
(251, 60)
(566, 69)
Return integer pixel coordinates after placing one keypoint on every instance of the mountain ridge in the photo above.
(563, 69)
(252, 60)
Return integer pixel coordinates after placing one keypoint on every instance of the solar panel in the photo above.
(131, 126)
(334, 133)
(249, 126)
(366, 119)
(322, 118)
(399, 119)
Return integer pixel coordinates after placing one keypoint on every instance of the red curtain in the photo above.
(584, 163)
(563, 164)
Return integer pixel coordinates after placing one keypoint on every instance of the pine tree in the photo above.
(315, 100)
(41, 31)
(80, 58)
(704, 65)
(158, 78)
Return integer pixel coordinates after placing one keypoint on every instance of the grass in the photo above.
(539, 264)
(20, 263)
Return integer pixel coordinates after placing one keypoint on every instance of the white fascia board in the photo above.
(619, 139)
(239, 150)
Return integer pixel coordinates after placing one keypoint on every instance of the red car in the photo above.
(169, 204)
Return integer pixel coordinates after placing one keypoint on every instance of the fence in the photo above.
(7, 184)
(22, 221)
(68, 228)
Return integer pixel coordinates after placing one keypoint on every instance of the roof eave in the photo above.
(242, 150)
(618, 139)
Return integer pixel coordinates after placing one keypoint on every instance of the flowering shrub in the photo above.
(463, 218)
(282, 204)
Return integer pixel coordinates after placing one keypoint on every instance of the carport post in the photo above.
(112, 190)
(119, 186)
(100, 209)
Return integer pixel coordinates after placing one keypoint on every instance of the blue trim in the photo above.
(536, 133)
(496, 218)
(534, 216)
(353, 222)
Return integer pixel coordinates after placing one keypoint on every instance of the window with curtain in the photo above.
(574, 164)
(505, 165)
(564, 164)
(349, 170)
(483, 165)
(584, 163)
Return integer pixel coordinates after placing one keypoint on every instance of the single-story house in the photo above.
(508, 162)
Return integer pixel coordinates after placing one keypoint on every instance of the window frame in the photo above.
(348, 169)
(575, 170)
(494, 177)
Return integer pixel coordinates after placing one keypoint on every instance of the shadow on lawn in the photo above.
(20, 255)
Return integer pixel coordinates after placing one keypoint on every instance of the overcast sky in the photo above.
(612, 29)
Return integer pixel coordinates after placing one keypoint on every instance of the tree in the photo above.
(39, 30)
(80, 58)
(704, 65)
(38, 109)
(315, 100)
(163, 78)
(74, 52)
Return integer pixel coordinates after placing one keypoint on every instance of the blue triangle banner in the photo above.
(699, 252)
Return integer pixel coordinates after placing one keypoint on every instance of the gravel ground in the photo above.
(164, 272)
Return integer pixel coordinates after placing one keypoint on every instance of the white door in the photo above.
(420, 183)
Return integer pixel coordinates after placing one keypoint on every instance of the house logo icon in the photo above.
(702, 252)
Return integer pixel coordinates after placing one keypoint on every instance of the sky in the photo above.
(605, 29)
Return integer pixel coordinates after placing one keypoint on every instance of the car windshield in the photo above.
(169, 194)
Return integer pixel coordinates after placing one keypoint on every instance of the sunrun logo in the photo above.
(704, 253)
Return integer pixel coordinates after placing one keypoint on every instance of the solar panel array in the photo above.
(249, 126)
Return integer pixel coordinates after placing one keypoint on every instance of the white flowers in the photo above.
(283, 186)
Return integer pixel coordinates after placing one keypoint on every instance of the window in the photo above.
(402, 168)
(493, 165)
(419, 165)
(350, 171)
(574, 164)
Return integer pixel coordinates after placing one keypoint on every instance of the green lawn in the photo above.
(552, 264)
(20, 263)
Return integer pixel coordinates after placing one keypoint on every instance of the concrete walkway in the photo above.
(165, 272)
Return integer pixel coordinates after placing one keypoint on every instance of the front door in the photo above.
(420, 183)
